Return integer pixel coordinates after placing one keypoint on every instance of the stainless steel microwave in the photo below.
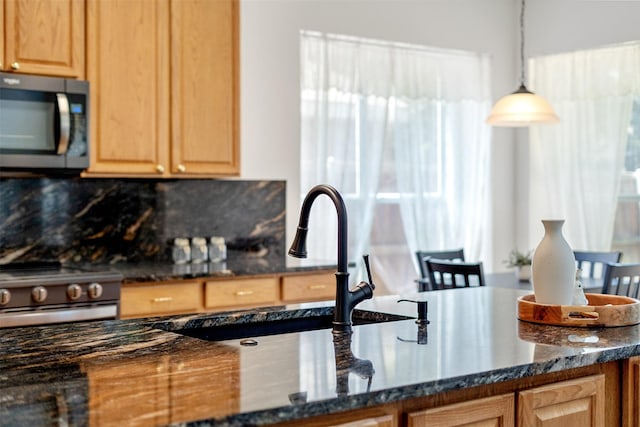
(44, 124)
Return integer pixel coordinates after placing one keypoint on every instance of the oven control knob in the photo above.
(74, 291)
(5, 296)
(39, 294)
(95, 290)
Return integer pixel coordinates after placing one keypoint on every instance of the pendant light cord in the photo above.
(522, 44)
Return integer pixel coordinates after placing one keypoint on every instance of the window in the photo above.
(399, 130)
(584, 169)
(626, 231)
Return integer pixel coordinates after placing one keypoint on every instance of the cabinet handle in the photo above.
(162, 299)
(243, 293)
(15, 66)
(316, 287)
(160, 169)
(182, 168)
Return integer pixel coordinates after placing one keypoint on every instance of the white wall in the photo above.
(269, 73)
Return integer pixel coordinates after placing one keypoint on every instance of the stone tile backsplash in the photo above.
(128, 220)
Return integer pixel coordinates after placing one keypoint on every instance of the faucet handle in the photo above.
(369, 275)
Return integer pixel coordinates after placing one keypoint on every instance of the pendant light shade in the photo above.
(522, 107)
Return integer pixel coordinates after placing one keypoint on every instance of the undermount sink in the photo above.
(310, 321)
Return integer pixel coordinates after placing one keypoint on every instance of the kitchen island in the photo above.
(474, 353)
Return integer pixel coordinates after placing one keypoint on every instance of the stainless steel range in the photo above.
(44, 293)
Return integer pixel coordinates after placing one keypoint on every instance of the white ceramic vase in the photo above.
(553, 266)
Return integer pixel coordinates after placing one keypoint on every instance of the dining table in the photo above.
(510, 280)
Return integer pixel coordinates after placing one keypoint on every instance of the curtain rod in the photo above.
(387, 43)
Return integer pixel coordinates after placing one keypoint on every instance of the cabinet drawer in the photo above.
(156, 299)
(309, 287)
(241, 292)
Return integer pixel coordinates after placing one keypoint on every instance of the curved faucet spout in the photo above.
(346, 300)
(298, 247)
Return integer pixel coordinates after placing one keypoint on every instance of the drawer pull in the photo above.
(243, 293)
(316, 287)
(162, 299)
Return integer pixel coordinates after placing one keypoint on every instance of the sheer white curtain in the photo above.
(345, 87)
(576, 165)
(361, 97)
(442, 151)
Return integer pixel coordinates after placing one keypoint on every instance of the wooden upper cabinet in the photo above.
(44, 37)
(204, 86)
(128, 67)
(2, 59)
(164, 87)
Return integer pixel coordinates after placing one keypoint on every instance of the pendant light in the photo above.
(522, 107)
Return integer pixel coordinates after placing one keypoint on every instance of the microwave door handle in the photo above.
(65, 123)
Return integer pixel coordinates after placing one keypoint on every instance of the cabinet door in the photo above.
(204, 87)
(631, 393)
(490, 411)
(45, 37)
(578, 402)
(387, 420)
(128, 67)
(2, 58)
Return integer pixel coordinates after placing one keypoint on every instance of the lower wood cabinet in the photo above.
(386, 420)
(581, 397)
(631, 392)
(579, 402)
(146, 299)
(490, 411)
(576, 402)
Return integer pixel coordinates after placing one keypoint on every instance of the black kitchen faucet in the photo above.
(346, 299)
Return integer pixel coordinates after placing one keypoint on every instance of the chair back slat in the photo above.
(444, 274)
(595, 263)
(450, 254)
(622, 279)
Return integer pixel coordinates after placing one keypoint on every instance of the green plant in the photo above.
(518, 259)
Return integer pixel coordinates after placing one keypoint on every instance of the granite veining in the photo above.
(75, 220)
(473, 338)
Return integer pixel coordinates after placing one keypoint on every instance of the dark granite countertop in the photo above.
(473, 338)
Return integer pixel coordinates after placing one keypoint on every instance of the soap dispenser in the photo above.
(422, 322)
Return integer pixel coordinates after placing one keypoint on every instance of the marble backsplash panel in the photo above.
(127, 220)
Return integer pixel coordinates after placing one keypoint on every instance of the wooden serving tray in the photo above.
(603, 311)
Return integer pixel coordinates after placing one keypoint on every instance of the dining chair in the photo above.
(450, 254)
(446, 274)
(622, 279)
(594, 264)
